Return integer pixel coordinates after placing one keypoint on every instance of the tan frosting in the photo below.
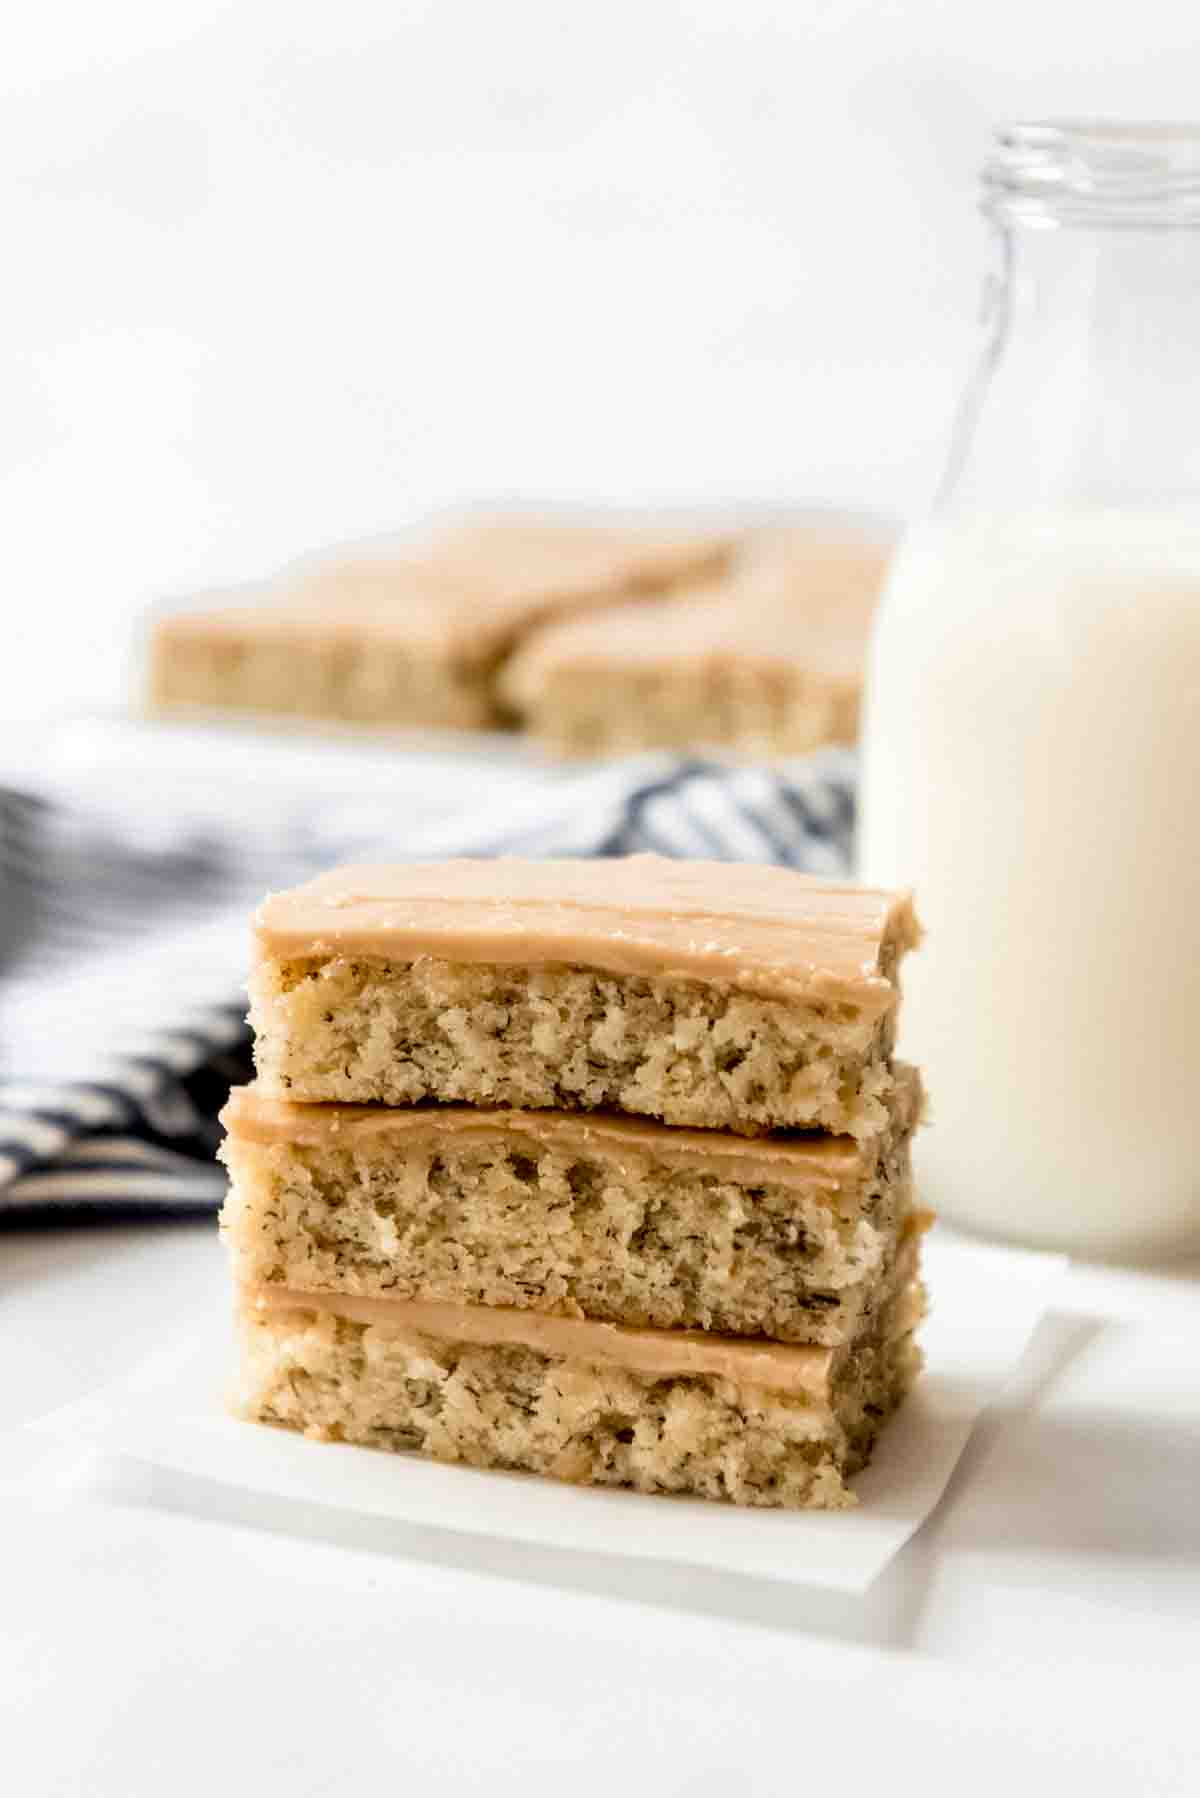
(463, 594)
(666, 1353)
(401, 602)
(762, 930)
(814, 1162)
(534, 561)
(699, 626)
(797, 598)
(781, 1367)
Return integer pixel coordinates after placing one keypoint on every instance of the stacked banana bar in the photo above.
(594, 1169)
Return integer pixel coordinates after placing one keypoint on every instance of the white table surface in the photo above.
(158, 1636)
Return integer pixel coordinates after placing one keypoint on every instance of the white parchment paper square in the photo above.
(986, 1302)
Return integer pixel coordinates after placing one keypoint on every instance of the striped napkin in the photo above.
(124, 930)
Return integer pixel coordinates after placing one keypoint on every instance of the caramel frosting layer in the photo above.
(796, 1368)
(812, 1162)
(408, 604)
(765, 931)
(465, 592)
(531, 563)
(796, 599)
(664, 1354)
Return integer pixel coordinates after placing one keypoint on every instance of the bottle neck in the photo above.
(1086, 391)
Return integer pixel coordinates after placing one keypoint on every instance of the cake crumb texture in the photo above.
(367, 1030)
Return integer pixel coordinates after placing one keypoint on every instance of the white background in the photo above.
(275, 274)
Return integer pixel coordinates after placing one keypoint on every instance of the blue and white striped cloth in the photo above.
(123, 936)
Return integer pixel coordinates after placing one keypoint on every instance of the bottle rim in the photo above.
(1097, 172)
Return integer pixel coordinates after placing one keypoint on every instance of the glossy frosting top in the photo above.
(797, 599)
(762, 930)
(466, 590)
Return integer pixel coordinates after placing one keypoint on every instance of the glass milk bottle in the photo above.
(1031, 761)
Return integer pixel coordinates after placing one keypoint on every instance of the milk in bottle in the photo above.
(1031, 758)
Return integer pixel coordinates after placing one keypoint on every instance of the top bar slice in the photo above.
(718, 995)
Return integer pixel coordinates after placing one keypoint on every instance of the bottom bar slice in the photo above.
(658, 1411)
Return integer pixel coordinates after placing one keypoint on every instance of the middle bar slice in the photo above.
(612, 1218)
